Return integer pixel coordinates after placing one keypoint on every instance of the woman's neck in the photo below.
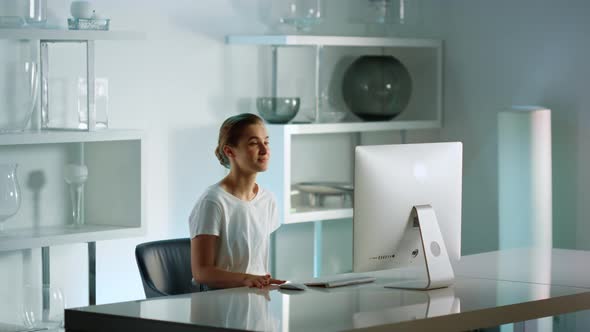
(242, 186)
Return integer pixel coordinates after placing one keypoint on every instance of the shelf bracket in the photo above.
(317, 249)
(274, 70)
(45, 274)
(317, 80)
(90, 85)
(91, 273)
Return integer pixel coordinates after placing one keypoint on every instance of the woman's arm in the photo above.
(203, 251)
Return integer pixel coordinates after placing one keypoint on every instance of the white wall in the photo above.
(502, 53)
(182, 81)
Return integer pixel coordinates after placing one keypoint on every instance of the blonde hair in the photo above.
(230, 133)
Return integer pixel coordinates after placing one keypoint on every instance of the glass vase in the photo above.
(10, 196)
(42, 308)
(19, 82)
(76, 176)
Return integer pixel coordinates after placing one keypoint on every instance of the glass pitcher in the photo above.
(10, 196)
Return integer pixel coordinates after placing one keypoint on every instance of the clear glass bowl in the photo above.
(19, 86)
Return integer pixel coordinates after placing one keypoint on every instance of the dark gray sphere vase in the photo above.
(376, 87)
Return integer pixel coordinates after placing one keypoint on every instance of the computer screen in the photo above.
(389, 180)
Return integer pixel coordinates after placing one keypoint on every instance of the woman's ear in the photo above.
(228, 151)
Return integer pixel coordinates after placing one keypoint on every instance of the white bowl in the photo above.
(81, 9)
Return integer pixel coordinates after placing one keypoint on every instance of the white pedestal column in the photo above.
(524, 177)
(525, 193)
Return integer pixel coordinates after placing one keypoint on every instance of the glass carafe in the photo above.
(10, 198)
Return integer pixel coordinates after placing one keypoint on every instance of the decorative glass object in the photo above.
(19, 86)
(101, 102)
(42, 308)
(60, 84)
(277, 109)
(10, 194)
(385, 11)
(75, 176)
(376, 87)
(88, 24)
(301, 14)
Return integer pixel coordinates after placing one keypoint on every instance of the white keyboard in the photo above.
(340, 280)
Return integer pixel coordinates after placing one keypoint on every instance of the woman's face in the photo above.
(252, 153)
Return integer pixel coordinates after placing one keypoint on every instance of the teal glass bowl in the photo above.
(278, 109)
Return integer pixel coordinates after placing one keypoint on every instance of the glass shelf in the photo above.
(298, 40)
(36, 237)
(67, 136)
(73, 35)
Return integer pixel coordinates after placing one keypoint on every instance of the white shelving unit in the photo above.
(318, 151)
(296, 40)
(38, 237)
(113, 205)
(113, 158)
(423, 112)
(330, 55)
(341, 138)
(68, 35)
(55, 136)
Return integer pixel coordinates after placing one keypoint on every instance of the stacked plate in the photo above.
(317, 194)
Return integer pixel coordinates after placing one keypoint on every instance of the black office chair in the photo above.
(165, 267)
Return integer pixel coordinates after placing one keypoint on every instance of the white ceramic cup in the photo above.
(81, 9)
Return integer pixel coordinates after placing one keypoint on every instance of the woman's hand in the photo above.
(258, 281)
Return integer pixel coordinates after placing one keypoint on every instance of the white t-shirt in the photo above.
(243, 227)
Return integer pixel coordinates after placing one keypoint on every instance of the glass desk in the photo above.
(471, 303)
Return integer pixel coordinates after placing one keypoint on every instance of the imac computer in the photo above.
(407, 211)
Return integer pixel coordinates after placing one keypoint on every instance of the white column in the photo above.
(525, 194)
(524, 177)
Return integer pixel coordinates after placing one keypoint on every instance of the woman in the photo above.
(231, 223)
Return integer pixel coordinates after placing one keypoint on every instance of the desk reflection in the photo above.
(316, 309)
(250, 309)
(426, 304)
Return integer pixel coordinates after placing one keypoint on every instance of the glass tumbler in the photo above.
(36, 12)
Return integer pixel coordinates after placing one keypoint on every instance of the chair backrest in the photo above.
(165, 267)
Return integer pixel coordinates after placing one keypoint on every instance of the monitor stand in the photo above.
(423, 250)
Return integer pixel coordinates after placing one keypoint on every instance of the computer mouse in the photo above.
(293, 286)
